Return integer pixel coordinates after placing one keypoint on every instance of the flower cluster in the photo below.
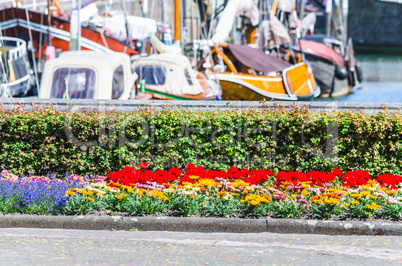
(33, 194)
(240, 192)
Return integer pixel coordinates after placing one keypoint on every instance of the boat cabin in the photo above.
(170, 77)
(88, 75)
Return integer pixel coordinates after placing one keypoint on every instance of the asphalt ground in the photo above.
(24, 246)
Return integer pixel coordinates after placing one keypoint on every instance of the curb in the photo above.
(205, 225)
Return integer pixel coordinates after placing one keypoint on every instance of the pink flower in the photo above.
(4, 172)
(278, 197)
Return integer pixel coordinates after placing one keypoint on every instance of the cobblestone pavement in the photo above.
(56, 246)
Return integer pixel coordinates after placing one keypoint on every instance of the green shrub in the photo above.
(91, 143)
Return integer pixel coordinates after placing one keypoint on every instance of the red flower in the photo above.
(356, 178)
(175, 171)
(337, 172)
(143, 165)
(388, 180)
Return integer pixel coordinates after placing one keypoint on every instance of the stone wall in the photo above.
(375, 23)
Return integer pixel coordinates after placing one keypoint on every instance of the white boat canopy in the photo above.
(88, 75)
(167, 73)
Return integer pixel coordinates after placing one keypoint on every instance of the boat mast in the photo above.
(176, 20)
(49, 18)
(328, 10)
(165, 12)
(187, 22)
(345, 11)
(302, 7)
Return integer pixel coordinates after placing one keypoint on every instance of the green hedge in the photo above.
(45, 140)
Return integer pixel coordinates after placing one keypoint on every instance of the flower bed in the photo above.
(242, 193)
(232, 193)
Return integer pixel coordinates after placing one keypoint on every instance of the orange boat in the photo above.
(250, 74)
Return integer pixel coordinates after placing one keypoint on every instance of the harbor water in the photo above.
(382, 80)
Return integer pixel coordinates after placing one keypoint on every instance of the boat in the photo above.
(331, 56)
(251, 75)
(88, 75)
(168, 76)
(16, 76)
(247, 73)
(20, 23)
(336, 71)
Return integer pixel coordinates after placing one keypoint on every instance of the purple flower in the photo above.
(303, 201)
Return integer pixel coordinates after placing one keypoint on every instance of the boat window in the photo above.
(188, 77)
(118, 83)
(73, 83)
(153, 75)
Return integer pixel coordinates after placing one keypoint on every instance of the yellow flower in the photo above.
(240, 183)
(365, 193)
(391, 192)
(130, 190)
(355, 196)
(254, 202)
(70, 193)
(119, 197)
(90, 199)
(332, 201)
(207, 182)
(194, 177)
(372, 182)
(235, 194)
(373, 197)
(245, 191)
(372, 206)
(353, 202)
(305, 192)
(158, 194)
(305, 184)
(221, 193)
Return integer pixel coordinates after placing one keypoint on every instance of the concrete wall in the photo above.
(375, 23)
(129, 105)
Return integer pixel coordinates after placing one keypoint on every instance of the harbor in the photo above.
(272, 50)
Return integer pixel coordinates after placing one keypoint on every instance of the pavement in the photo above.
(28, 246)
